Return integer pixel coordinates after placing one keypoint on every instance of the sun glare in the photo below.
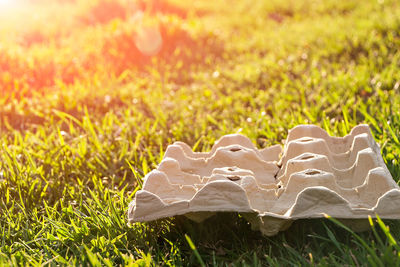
(6, 6)
(6, 3)
(11, 8)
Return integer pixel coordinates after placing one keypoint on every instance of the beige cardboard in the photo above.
(314, 175)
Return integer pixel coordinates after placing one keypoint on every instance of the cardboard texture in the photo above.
(314, 175)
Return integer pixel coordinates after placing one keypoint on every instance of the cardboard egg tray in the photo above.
(314, 175)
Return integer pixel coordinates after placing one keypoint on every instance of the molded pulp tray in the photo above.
(314, 175)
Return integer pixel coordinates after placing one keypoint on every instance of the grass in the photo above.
(84, 115)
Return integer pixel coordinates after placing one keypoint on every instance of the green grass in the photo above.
(73, 152)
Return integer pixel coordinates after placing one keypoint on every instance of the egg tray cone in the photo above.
(314, 175)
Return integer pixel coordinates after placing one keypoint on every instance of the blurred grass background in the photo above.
(92, 92)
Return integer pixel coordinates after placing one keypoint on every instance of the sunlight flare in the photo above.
(4, 3)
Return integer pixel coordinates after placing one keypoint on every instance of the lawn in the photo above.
(92, 92)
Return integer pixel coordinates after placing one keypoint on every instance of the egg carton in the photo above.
(315, 174)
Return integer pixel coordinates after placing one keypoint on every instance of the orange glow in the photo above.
(48, 43)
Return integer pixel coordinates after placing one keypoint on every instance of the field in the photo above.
(92, 92)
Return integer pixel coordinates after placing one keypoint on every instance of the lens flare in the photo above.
(149, 40)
